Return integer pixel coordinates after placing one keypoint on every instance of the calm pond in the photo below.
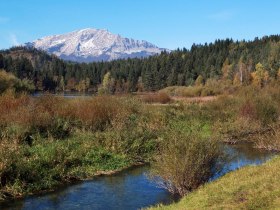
(130, 189)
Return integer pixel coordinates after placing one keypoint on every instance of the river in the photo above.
(130, 189)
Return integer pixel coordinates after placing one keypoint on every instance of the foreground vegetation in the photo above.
(48, 141)
(250, 114)
(251, 187)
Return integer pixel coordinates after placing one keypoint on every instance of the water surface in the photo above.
(130, 189)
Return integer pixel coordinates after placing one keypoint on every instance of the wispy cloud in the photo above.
(221, 16)
(4, 20)
(13, 39)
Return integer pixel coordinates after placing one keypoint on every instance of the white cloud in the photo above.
(221, 16)
(13, 39)
(4, 20)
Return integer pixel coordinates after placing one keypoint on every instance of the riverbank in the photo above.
(86, 174)
(47, 165)
(49, 141)
(251, 187)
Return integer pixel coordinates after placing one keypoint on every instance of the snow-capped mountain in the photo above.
(94, 45)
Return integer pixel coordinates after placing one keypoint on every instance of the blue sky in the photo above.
(166, 23)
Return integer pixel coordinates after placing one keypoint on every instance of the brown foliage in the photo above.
(270, 140)
(248, 110)
(50, 115)
(160, 97)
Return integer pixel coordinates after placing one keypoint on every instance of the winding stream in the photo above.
(130, 189)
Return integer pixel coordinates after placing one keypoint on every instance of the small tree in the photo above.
(227, 70)
(236, 79)
(71, 84)
(199, 81)
(81, 86)
(108, 85)
(61, 84)
(260, 76)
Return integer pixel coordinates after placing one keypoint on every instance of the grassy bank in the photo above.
(48, 141)
(251, 187)
(48, 164)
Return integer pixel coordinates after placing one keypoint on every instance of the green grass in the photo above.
(46, 164)
(251, 187)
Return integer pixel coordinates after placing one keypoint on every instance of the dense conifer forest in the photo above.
(227, 60)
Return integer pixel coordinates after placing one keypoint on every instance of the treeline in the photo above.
(228, 60)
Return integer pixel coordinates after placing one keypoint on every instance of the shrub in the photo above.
(267, 110)
(101, 112)
(248, 110)
(185, 160)
(258, 104)
(184, 91)
(52, 116)
(9, 81)
(270, 140)
(212, 87)
(14, 116)
(160, 97)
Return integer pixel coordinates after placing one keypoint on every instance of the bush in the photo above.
(267, 110)
(184, 91)
(248, 110)
(102, 112)
(212, 87)
(270, 140)
(257, 104)
(160, 97)
(9, 81)
(186, 159)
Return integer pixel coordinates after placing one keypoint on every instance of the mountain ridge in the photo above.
(89, 44)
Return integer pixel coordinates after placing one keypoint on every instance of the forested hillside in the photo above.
(228, 60)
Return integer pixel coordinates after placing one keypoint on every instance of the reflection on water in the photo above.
(127, 190)
(245, 154)
(240, 155)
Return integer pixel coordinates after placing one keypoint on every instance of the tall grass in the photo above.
(56, 117)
